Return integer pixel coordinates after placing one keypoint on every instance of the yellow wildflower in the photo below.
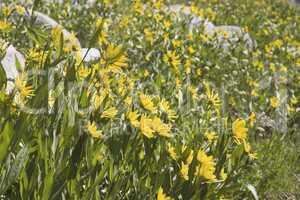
(223, 174)
(274, 101)
(161, 128)
(190, 157)
(184, 171)
(146, 127)
(20, 83)
(138, 7)
(247, 148)
(161, 195)
(114, 58)
(172, 151)
(100, 98)
(210, 136)
(212, 96)
(128, 101)
(147, 103)
(203, 157)
(84, 72)
(252, 119)
(165, 107)
(149, 35)
(6, 10)
(167, 24)
(92, 129)
(176, 43)
(172, 59)
(191, 50)
(132, 116)
(239, 130)
(102, 38)
(109, 113)
(56, 34)
(4, 26)
(20, 9)
(206, 168)
(194, 92)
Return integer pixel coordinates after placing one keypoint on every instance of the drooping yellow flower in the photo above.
(274, 101)
(184, 171)
(20, 83)
(171, 151)
(147, 103)
(92, 129)
(133, 118)
(161, 195)
(146, 127)
(109, 113)
(161, 128)
(239, 130)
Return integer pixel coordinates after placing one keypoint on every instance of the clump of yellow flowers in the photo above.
(206, 167)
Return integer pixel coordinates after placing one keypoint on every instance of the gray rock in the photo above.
(89, 56)
(9, 63)
(234, 32)
(45, 20)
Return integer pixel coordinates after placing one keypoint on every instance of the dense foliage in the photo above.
(165, 112)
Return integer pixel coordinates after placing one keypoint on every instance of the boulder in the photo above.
(9, 63)
(45, 20)
(234, 32)
(90, 55)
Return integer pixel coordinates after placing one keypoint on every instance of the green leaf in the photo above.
(3, 78)
(5, 140)
(48, 183)
(18, 64)
(15, 169)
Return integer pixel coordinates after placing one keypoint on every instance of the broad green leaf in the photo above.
(15, 169)
(3, 78)
(5, 140)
